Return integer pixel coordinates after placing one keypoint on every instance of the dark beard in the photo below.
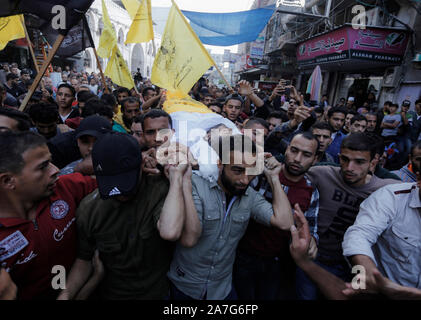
(232, 189)
(294, 173)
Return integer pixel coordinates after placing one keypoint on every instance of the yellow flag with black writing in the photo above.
(182, 59)
(11, 28)
(108, 39)
(118, 71)
(141, 29)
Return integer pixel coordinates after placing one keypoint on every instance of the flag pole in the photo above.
(100, 71)
(30, 48)
(40, 74)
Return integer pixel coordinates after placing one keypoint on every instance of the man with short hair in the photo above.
(408, 172)
(45, 118)
(136, 130)
(371, 122)
(208, 99)
(347, 124)
(274, 119)
(157, 128)
(12, 85)
(121, 94)
(148, 93)
(358, 124)
(37, 229)
(341, 192)
(129, 219)
(130, 108)
(390, 125)
(216, 107)
(233, 107)
(254, 125)
(386, 235)
(14, 120)
(336, 118)
(263, 269)
(65, 98)
(217, 214)
(323, 133)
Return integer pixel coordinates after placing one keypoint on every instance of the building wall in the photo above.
(136, 55)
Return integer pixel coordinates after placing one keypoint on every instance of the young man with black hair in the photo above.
(121, 94)
(217, 215)
(130, 219)
(255, 125)
(347, 124)
(274, 119)
(336, 118)
(37, 215)
(151, 98)
(358, 124)
(12, 85)
(232, 107)
(65, 98)
(208, 99)
(323, 133)
(45, 118)
(341, 192)
(216, 107)
(263, 269)
(136, 130)
(14, 120)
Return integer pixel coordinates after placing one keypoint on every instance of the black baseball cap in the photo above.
(406, 103)
(234, 96)
(116, 159)
(94, 126)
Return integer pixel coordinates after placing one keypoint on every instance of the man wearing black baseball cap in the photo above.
(89, 130)
(129, 220)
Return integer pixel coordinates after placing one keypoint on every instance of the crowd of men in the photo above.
(82, 187)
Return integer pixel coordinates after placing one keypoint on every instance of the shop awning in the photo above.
(345, 47)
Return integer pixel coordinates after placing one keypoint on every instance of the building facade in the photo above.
(361, 47)
(136, 55)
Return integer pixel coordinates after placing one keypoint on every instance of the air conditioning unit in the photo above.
(391, 77)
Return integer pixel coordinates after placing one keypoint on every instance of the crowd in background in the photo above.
(149, 230)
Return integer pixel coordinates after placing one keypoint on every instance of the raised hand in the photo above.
(301, 238)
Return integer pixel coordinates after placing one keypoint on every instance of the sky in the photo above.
(209, 6)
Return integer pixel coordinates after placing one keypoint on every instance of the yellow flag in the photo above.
(118, 71)
(108, 38)
(181, 60)
(11, 28)
(141, 29)
(131, 7)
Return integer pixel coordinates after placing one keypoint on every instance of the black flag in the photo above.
(44, 10)
(77, 39)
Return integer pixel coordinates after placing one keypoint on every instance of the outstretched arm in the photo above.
(330, 285)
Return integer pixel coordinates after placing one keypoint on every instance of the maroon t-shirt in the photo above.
(30, 249)
(265, 241)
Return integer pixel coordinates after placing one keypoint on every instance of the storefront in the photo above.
(353, 61)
